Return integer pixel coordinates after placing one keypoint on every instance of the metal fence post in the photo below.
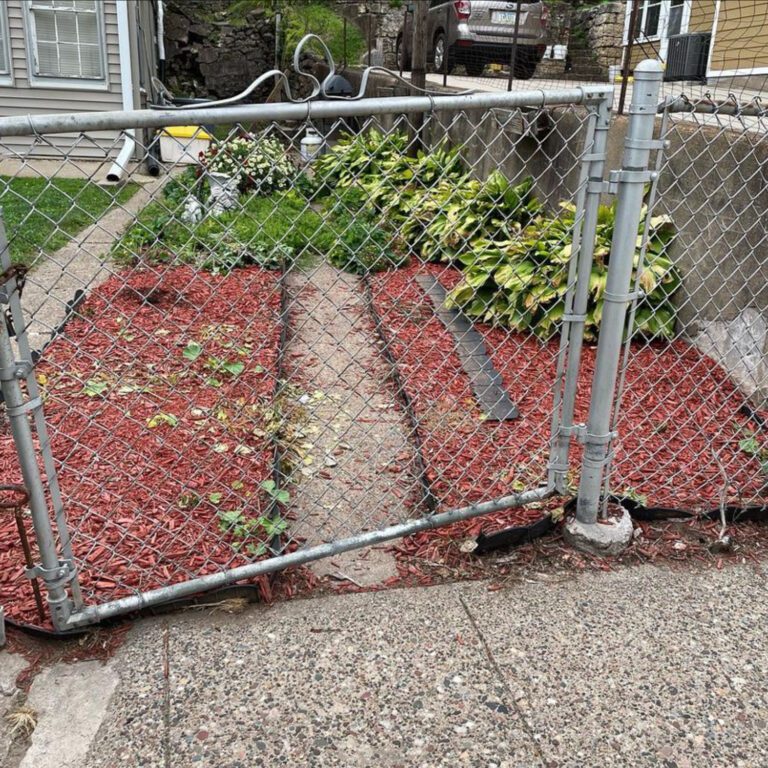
(576, 314)
(54, 573)
(630, 184)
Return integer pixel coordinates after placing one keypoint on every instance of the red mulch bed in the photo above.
(138, 496)
(679, 410)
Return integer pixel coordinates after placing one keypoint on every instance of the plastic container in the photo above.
(311, 145)
(182, 144)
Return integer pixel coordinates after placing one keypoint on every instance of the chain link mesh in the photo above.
(251, 353)
(293, 333)
(704, 391)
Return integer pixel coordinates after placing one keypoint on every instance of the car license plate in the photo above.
(503, 17)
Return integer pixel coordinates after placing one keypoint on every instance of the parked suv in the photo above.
(478, 32)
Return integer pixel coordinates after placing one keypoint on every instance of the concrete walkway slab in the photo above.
(10, 696)
(642, 667)
(70, 701)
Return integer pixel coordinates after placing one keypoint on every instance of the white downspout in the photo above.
(714, 37)
(126, 80)
(160, 30)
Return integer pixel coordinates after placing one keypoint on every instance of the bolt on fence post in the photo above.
(630, 189)
(576, 314)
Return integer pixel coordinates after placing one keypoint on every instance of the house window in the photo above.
(66, 39)
(647, 20)
(676, 11)
(5, 55)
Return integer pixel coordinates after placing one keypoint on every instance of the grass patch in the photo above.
(263, 230)
(42, 215)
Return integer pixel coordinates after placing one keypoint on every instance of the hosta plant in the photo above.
(521, 282)
(359, 159)
(452, 218)
(391, 180)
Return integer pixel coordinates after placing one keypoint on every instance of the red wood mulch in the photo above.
(138, 496)
(679, 410)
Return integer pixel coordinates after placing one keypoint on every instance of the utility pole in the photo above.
(418, 67)
(513, 62)
(419, 44)
(627, 65)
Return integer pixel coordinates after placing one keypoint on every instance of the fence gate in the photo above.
(314, 329)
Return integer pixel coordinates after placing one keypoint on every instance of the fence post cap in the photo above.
(648, 67)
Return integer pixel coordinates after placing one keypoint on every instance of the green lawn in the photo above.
(43, 214)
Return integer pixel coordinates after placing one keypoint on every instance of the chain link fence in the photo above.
(256, 358)
(705, 388)
(291, 333)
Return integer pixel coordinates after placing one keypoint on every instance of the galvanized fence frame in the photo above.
(57, 568)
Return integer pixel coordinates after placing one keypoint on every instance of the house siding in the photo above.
(741, 38)
(21, 98)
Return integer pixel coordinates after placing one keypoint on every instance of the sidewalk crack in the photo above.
(166, 698)
(503, 681)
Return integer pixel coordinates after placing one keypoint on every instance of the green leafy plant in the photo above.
(752, 446)
(452, 218)
(251, 534)
(364, 247)
(521, 282)
(192, 351)
(95, 388)
(231, 367)
(360, 159)
(270, 486)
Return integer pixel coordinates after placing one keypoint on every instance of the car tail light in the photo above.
(463, 9)
(544, 15)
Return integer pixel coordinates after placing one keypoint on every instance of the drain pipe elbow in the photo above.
(118, 167)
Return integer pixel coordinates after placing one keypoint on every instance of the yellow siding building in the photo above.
(738, 28)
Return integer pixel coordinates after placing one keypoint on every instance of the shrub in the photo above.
(520, 283)
(261, 165)
(450, 219)
(363, 247)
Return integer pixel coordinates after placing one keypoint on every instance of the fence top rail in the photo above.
(753, 108)
(24, 125)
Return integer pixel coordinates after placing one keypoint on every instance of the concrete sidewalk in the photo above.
(642, 667)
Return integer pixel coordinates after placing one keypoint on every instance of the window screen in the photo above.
(676, 17)
(67, 40)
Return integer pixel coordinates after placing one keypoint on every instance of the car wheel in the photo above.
(525, 65)
(475, 68)
(403, 64)
(441, 57)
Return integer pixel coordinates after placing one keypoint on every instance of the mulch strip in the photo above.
(680, 411)
(150, 444)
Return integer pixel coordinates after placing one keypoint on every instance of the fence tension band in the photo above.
(611, 187)
(20, 410)
(20, 370)
(57, 577)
